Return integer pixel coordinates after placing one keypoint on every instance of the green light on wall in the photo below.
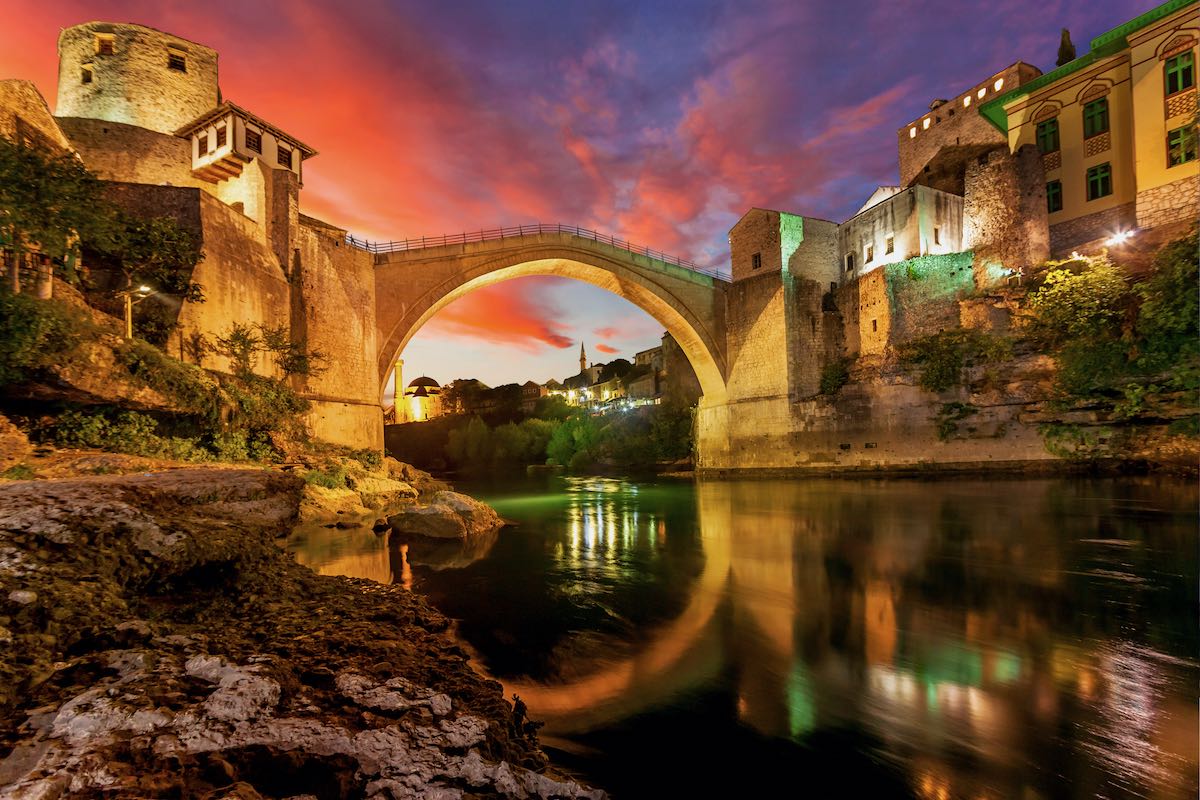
(791, 234)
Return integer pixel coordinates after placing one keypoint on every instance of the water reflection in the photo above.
(973, 639)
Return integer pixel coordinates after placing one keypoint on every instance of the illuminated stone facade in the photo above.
(121, 72)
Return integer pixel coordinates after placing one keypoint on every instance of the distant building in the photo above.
(422, 400)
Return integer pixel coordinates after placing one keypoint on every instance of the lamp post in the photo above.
(142, 293)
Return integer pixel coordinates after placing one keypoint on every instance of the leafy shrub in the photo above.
(835, 375)
(19, 472)
(33, 335)
(943, 356)
(191, 387)
(332, 477)
(1082, 299)
(948, 417)
(121, 431)
(369, 458)
(1077, 443)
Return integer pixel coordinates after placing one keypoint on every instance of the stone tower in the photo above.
(129, 73)
(582, 358)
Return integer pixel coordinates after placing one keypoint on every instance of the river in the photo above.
(824, 638)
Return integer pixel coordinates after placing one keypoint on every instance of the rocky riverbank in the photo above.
(156, 641)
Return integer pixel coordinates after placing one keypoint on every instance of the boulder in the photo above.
(320, 503)
(380, 493)
(450, 516)
(14, 444)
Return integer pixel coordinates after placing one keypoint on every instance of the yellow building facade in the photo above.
(1116, 129)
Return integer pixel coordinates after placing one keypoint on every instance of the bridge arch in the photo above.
(411, 286)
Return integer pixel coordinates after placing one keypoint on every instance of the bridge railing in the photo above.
(526, 230)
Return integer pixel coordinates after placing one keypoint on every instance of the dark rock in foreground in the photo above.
(157, 642)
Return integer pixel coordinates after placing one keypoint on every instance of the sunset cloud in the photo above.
(604, 348)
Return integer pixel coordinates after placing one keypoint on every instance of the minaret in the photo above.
(582, 358)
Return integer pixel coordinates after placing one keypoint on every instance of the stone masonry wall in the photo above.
(115, 151)
(25, 115)
(1066, 236)
(333, 311)
(953, 124)
(134, 85)
(1004, 214)
(756, 232)
(1173, 202)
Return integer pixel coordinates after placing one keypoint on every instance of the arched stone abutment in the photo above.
(412, 286)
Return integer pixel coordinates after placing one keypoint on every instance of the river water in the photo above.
(931, 639)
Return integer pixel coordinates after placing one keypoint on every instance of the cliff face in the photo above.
(159, 642)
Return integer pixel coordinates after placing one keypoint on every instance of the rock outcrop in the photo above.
(450, 516)
(157, 642)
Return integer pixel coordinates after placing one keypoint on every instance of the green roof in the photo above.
(1102, 46)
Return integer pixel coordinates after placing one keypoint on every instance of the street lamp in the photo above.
(141, 292)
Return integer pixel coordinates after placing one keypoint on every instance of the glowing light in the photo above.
(1119, 238)
(999, 84)
(980, 94)
(912, 132)
(966, 101)
(925, 124)
(144, 290)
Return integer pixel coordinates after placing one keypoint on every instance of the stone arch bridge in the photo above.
(416, 278)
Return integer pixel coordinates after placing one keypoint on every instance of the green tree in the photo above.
(1085, 298)
(50, 203)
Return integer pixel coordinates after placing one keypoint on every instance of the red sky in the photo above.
(660, 122)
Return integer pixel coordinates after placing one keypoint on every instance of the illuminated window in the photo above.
(220, 137)
(283, 157)
(870, 254)
(1181, 146)
(105, 44)
(912, 132)
(980, 94)
(202, 139)
(176, 61)
(253, 141)
(1095, 118)
(1047, 136)
(1099, 181)
(966, 101)
(756, 261)
(890, 244)
(1054, 199)
(999, 84)
(937, 235)
(85, 75)
(1180, 72)
(925, 123)
(849, 262)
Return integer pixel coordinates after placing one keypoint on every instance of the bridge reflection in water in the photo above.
(1029, 638)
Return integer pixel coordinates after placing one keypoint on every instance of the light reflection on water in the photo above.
(927, 639)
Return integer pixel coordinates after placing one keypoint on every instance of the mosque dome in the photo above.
(423, 386)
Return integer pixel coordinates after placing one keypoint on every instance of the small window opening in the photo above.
(756, 261)
(284, 157)
(891, 244)
(202, 139)
(85, 75)
(105, 44)
(220, 137)
(253, 141)
(874, 325)
(937, 235)
(176, 61)
(870, 254)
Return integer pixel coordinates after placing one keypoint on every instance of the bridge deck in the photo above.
(521, 231)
